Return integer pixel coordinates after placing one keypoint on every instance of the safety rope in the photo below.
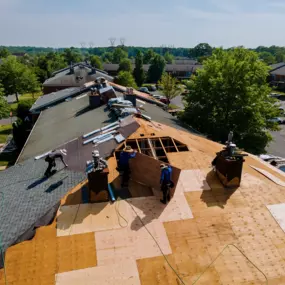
(176, 273)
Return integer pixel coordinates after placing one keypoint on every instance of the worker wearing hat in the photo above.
(127, 154)
(51, 158)
(165, 182)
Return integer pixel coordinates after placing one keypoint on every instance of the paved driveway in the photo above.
(8, 121)
(277, 146)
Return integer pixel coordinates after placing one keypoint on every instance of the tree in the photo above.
(125, 65)
(125, 78)
(4, 106)
(280, 56)
(169, 86)
(267, 57)
(139, 73)
(230, 93)
(202, 49)
(16, 77)
(156, 68)
(148, 56)
(107, 57)
(95, 61)
(4, 52)
(168, 57)
(118, 55)
(71, 55)
(31, 82)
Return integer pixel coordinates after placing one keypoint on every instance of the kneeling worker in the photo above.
(51, 160)
(165, 182)
(125, 156)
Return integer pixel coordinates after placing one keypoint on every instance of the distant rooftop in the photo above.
(75, 76)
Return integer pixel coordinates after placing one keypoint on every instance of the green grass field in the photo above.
(5, 131)
(24, 97)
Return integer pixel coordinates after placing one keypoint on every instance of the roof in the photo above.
(65, 77)
(191, 67)
(206, 232)
(56, 97)
(69, 120)
(279, 71)
(28, 197)
(62, 123)
(277, 65)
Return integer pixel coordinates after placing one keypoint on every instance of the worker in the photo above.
(165, 182)
(127, 154)
(51, 157)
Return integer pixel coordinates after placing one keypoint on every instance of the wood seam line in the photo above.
(163, 147)
(138, 146)
(152, 149)
(175, 144)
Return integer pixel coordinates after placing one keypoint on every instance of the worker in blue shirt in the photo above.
(165, 182)
(127, 154)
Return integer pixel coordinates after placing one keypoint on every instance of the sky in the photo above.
(178, 23)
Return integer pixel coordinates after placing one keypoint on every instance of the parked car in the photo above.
(144, 90)
(164, 100)
(277, 120)
(152, 88)
(275, 95)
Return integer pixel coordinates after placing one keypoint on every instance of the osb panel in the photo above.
(146, 170)
(76, 252)
(123, 273)
(86, 218)
(37, 261)
(139, 190)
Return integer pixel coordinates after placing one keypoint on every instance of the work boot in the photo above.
(163, 202)
(168, 197)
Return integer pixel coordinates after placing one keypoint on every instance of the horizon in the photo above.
(223, 23)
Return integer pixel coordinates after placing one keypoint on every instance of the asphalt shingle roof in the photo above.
(279, 71)
(65, 78)
(55, 97)
(27, 196)
(62, 123)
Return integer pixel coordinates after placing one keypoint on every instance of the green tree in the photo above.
(267, 57)
(125, 65)
(280, 56)
(139, 73)
(107, 57)
(31, 81)
(118, 55)
(230, 93)
(148, 56)
(4, 106)
(169, 86)
(125, 78)
(4, 52)
(95, 61)
(72, 55)
(199, 50)
(15, 76)
(156, 68)
(168, 57)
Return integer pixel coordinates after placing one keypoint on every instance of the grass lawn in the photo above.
(7, 159)
(4, 132)
(27, 96)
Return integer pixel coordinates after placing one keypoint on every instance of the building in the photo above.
(277, 75)
(74, 76)
(52, 233)
(182, 69)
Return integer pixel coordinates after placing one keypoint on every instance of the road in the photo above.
(277, 146)
(176, 101)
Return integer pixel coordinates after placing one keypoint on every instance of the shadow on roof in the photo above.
(83, 111)
(37, 182)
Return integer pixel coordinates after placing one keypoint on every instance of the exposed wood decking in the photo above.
(203, 223)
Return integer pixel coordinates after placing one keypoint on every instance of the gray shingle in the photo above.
(28, 197)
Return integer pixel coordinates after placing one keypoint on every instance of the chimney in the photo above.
(93, 70)
(94, 98)
(130, 96)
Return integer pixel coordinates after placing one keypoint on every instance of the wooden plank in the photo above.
(163, 146)
(138, 146)
(175, 144)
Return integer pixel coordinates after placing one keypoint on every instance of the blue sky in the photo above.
(182, 23)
